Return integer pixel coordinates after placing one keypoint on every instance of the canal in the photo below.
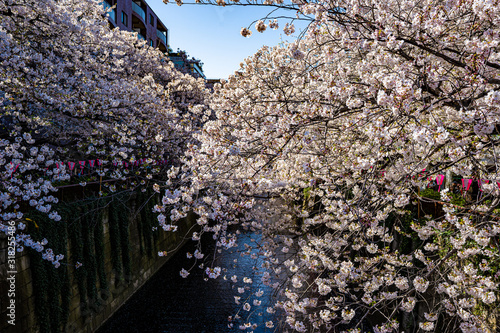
(169, 303)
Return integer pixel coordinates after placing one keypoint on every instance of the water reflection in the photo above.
(170, 303)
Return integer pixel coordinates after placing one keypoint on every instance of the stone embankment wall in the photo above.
(114, 266)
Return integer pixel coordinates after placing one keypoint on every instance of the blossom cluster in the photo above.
(322, 142)
(73, 89)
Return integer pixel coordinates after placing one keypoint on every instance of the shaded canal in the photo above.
(170, 303)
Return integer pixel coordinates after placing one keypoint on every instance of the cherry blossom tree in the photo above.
(322, 146)
(73, 89)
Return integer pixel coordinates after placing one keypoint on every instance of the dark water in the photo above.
(170, 303)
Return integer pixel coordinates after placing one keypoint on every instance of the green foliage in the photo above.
(457, 199)
(430, 194)
(406, 246)
(307, 193)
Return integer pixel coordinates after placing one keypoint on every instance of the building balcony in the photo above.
(162, 35)
(196, 70)
(139, 11)
(139, 27)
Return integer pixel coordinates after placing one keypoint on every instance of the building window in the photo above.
(151, 43)
(124, 19)
(151, 19)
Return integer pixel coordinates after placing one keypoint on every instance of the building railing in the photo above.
(162, 35)
(196, 68)
(136, 8)
(112, 13)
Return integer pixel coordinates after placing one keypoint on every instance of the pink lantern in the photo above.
(466, 183)
(481, 182)
(13, 170)
(439, 181)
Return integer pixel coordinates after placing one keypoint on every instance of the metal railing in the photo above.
(162, 35)
(136, 8)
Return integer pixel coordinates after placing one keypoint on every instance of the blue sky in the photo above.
(212, 33)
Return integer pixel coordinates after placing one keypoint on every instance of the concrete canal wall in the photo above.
(49, 299)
